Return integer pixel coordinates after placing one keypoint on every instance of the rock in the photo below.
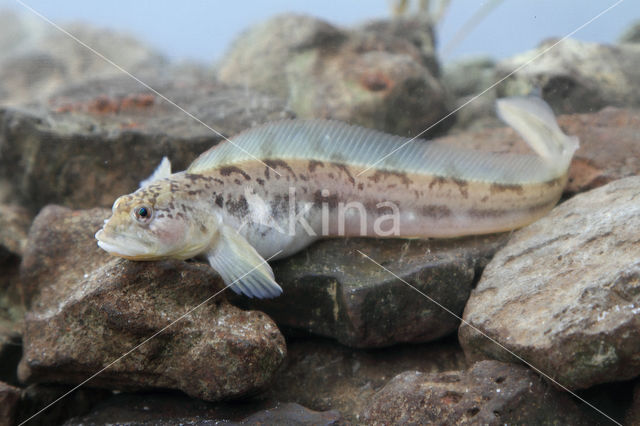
(37, 59)
(469, 76)
(576, 76)
(323, 375)
(609, 147)
(14, 224)
(417, 29)
(332, 290)
(293, 414)
(564, 293)
(490, 393)
(96, 141)
(371, 77)
(35, 398)
(633, 415)
(87, 309)
(170, 409)
(9, 398)
(631, 34)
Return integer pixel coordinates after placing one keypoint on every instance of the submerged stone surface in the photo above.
(491, 393)
(170, 409)
(332, 290)
(97, 140)
(564, 294)
(37, 59)
(87, 309)
(324, 375)
(377, 76)
(576, 76)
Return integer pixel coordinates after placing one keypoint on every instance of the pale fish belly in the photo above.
(311, 200)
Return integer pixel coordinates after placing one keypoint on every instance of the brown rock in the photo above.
(330, 289)
(87, 309)
(563, 294)
(323, 375)
(9, 399)
(379, 76)
(97, 140)
(490, 393)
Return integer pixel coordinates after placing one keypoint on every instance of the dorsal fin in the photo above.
(327, 140)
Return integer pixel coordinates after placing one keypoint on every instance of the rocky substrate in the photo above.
(347, 342)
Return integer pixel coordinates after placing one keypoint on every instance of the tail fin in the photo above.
(533, 119)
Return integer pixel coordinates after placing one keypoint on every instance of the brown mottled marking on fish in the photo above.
(238, 207)
(436, 211)
(313, 165)
(237, 181)
(384, 174)
(346, 171)
(462, 186)
(219, 200)
(274, 164)
(227, 170)
(496, 188)
(332, 200)
(437, 180)
(260, 181)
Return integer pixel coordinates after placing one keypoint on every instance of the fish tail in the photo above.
(534, 120)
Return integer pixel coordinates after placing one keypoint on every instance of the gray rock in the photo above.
(14, 224)
(9, 399)
(576, 76)
(631, 34)
(469, 76)
(96, 141)
(563, 294)
(332, 290)
(491, 393)
(36, 59)
(170, 409)
(372, 76)
(324, 375)
(87, 309)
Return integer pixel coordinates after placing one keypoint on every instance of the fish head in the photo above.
(150, 224)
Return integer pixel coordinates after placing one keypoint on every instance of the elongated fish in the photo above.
(281, 186)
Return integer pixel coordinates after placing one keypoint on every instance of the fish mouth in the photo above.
(122, 247)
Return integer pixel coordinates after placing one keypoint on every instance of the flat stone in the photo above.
(170, 409)
(491, 393)
(377, 76)
(9, 399)
(36, 59)
(575, 76)
(564, 293)
(324, 375)
(94, 141)
(331, 290)
(87, 309)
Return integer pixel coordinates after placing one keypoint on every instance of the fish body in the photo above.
(281, 186)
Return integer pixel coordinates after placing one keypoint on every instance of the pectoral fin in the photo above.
(241, 267)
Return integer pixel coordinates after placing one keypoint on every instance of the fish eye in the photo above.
(142, 213)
